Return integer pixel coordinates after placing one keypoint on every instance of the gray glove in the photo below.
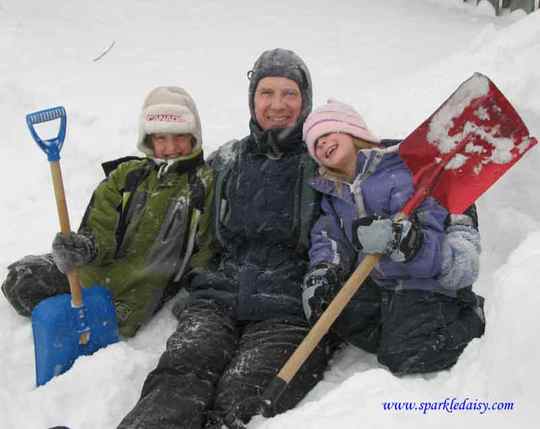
(72, 250)
(460, 250)
(399, 240)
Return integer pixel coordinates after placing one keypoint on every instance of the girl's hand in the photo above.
(400, 240)
(320, 286)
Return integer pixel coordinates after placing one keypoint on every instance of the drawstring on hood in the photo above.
(179, 165)
(163, 165)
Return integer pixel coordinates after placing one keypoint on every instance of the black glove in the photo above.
(320, 286)
(400, 240)
(72, 250)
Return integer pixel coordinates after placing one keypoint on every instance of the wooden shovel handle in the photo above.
(326, 320)
(334, 309)
(65, 228)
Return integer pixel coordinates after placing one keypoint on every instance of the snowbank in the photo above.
(396, 61)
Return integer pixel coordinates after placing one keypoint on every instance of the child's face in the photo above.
(337, 151)
(170, 146)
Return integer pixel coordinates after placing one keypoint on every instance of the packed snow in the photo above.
(501, 147)
(443, 121)
(396, 61)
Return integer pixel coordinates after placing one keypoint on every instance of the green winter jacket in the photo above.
(150, 228)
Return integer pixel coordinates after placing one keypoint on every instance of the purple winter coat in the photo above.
(382, 186)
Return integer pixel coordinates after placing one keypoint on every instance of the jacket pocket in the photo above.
(164, 257)
(130, 218)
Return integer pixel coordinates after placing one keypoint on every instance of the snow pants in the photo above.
(412, 331)
(214, 365)
(34, 278)
(31, 280)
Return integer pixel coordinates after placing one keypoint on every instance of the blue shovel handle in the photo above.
(52, 146)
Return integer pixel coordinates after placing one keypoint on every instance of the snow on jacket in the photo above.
(382, 186)
(143, 218)
(265, 209)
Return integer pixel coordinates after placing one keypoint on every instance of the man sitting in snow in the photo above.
(137, 235)
(245, 313)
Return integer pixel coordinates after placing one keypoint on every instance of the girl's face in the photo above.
(170, 146)
(337, 152)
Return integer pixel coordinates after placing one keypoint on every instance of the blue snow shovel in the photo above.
(69, 325)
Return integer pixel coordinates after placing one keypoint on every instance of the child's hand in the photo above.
(400, 240)
(320, 286)
(72, 250)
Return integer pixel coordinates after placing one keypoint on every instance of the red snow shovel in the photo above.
(67, 326)
(455, 156)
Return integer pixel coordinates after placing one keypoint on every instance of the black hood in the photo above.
(280, 63)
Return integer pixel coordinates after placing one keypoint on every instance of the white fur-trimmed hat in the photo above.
(169, 109)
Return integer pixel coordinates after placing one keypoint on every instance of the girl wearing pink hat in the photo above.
(417, 310)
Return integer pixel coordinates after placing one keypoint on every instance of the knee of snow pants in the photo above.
(179, 391)
(360, 322)
(264, 348)
(31, 280)
(425, 331)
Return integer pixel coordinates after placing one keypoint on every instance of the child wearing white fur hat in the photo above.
(146, 226)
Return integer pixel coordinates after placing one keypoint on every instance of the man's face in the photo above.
(278, 102)
(170, 146)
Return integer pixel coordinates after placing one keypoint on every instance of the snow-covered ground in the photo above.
(395, 60)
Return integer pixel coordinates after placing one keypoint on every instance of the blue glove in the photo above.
(399, 240)
(320, 286)
(72, 250)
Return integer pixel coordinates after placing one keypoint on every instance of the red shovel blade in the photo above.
(476, 135)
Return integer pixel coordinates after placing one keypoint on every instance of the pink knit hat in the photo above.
(335, 117)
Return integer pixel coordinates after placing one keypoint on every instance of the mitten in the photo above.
(468, 218)
(460, 250)
(320, 286)
(72, 250)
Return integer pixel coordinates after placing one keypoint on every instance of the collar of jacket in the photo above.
(183, 165)
(278, 142)
(368, 161)
(328, 186)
